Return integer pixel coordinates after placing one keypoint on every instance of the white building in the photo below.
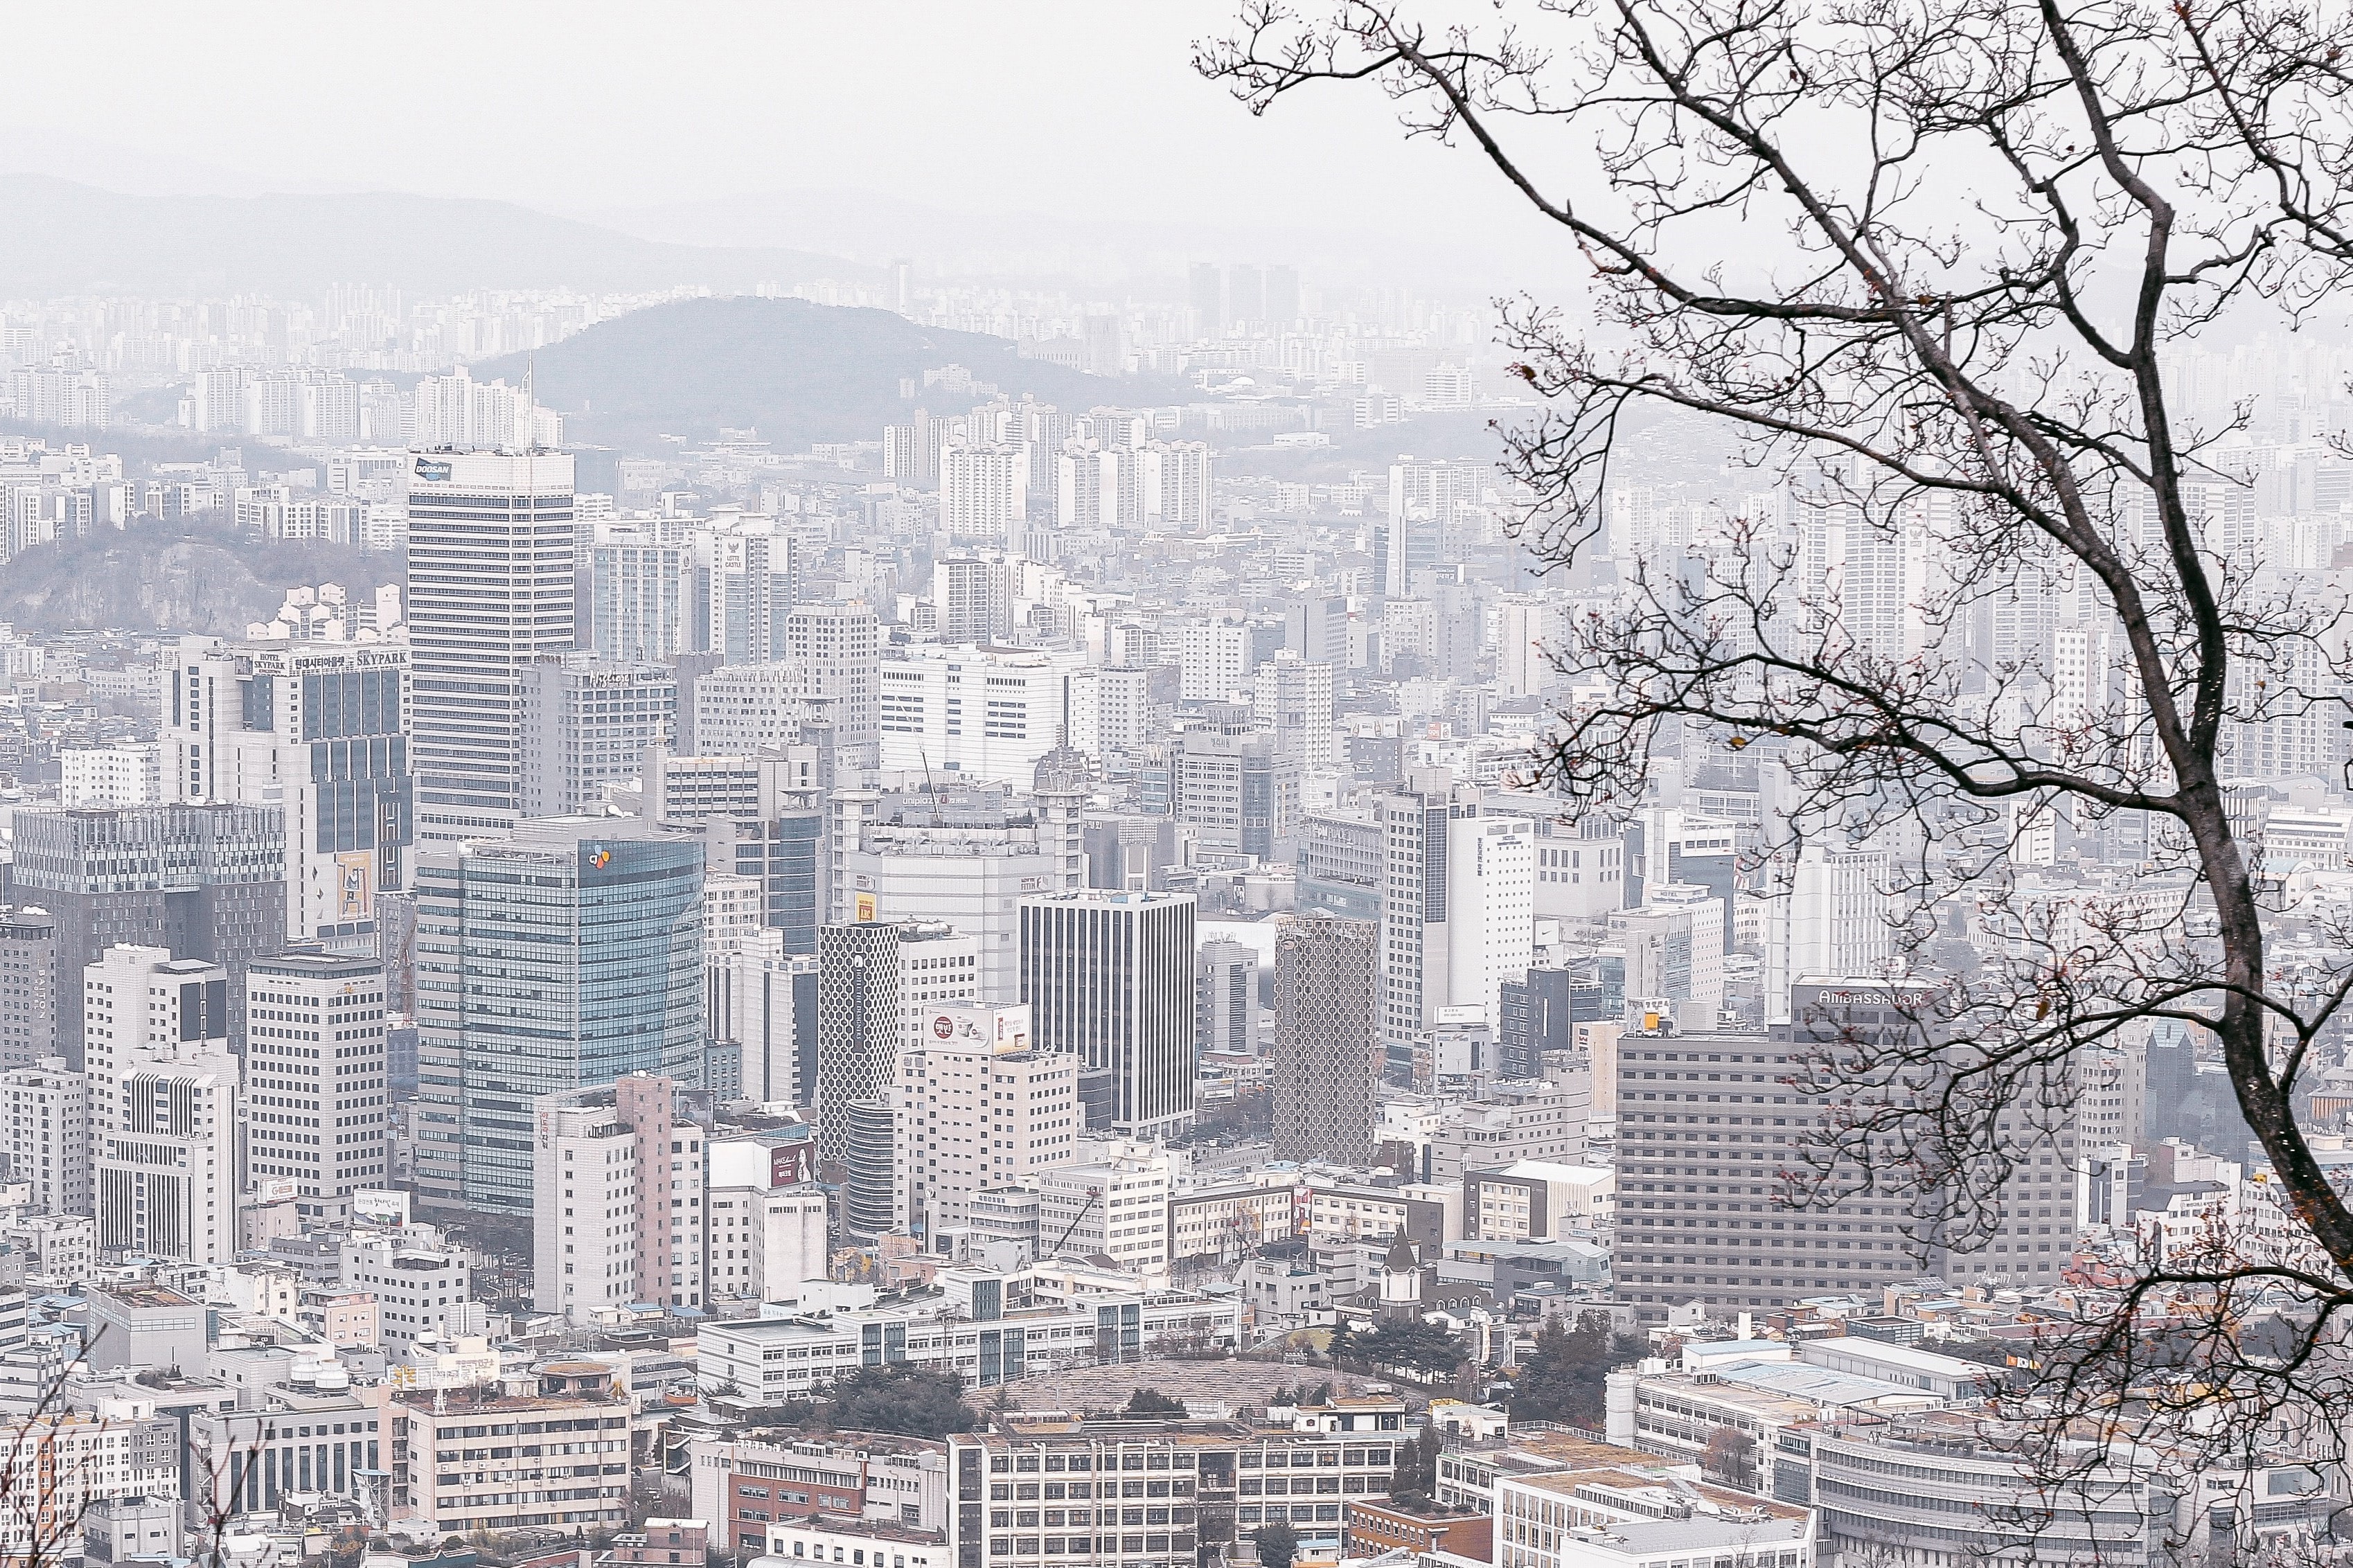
(318, 730)
(965, 857)
(108, 776)
(491, 552)
(45, 1135)
(1113, 1200)
(1832, 919)
(978, 1107)
(414, 1277)
(984, 492)
(618, 1183)
(1214, 656)
(766, 1239)
(141, 1007)
(972, 713)
(740, 710)
(839, 649)
(1674, 951)
(316, 1092)
(167, 1174)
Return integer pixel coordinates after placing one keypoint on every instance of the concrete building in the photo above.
(586, 726)
(616, 1216)
(839, 649)
(1109, 978)
(1457, 912)
(28, 987)
(877, 983)
(204, 882)
(979, 713)
(765, 1220)
(978, 1107)
(1238, 793)
(1675, 952)
(45, 1135)
(1326, 1059)
(961, 854)
(577, 1408)
(1111, 1200)
(491, 559)
(316, 1092)
(1537, 1200)
(319, 730)
(1225, 998)
(414, 1277)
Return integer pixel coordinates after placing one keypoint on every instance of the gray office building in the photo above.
(1326, 1060)
(205, 881)
(1109, 977)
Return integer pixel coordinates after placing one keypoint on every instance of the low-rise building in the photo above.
(557, 1456)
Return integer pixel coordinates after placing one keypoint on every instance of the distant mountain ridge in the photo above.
(70, 239)
(793, 371)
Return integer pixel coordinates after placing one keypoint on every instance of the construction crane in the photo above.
(1094, 1195)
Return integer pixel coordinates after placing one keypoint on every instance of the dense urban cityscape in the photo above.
(781, 913)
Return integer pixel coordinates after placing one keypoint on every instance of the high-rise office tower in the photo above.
(28, 986)
(1328, 1058)
(1834, 920)
(318, 1104)
(557, 960)
(839, 647)
(1109, 979)
(167, 1178)
(745, 585)
(875, 979)
(45, 1134)
(585, 727)
(1246, 294)
(320, 729)
(1295, 700)
(1225, 998)
(1457, 909)
(1238, 793)
(1207, 288)
(491, 554)
(204, 882)
(762, 1002)
(619, 1217)
(638, 594)
(978, 1107)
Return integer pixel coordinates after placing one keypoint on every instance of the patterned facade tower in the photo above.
(1327, 1052)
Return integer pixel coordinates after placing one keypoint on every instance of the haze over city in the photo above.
(1198, 786)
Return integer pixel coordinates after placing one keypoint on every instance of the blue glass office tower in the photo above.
(556, 961)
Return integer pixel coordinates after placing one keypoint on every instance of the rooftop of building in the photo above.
(144, 1296)
(318, 966)
(861, 1529)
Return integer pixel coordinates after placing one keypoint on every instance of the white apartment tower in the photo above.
(984, 493)
(490, 551)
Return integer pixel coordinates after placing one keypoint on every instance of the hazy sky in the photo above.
(1089, 112)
